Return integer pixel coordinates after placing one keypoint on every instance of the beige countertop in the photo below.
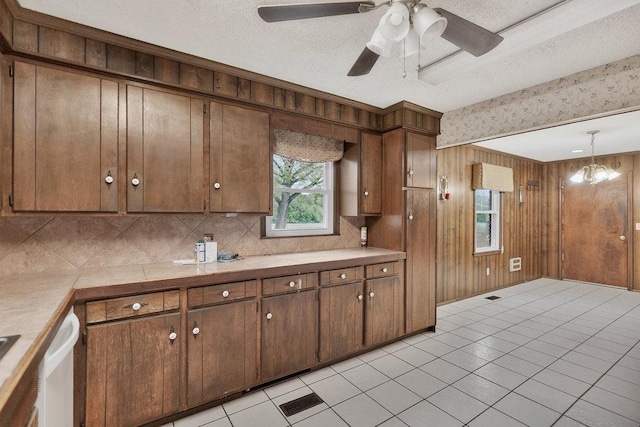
(32, 305)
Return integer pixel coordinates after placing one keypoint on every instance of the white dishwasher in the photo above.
(55, 377)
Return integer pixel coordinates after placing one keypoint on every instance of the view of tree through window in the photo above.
(301, 193)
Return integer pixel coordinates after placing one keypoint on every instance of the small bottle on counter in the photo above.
(211, 248)
(200, 251)
(363, 237)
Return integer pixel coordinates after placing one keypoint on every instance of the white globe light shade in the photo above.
(428, 23)
(379, 44)
(395, 24)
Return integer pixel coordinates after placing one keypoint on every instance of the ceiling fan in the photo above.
(408, 20)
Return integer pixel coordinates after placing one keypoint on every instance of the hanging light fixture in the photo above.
(411, 21)
(594, 173)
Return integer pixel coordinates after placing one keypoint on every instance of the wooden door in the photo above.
(341, 320)
(133, 371)
(165, 154)
(384, 310)
(65, 141)
(289, 333)
(371, 174)
(594, 219)
(420, 160)
(420, 248)
(240, 160)
(221, 352)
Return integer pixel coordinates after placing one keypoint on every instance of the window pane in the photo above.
(298, 210)
(483, 230)
(288, 173)
(483, 200)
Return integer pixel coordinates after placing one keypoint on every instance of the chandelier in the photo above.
(594, 173)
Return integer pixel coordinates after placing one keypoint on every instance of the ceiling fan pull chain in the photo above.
(404, 58)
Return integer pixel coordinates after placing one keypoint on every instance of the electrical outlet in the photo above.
(488, 271)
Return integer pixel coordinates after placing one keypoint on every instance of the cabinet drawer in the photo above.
(121, 308)
(220, 293)
(278, 285)
(383, 269)
(343, 275)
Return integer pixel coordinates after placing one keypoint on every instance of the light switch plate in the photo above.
(638, 226)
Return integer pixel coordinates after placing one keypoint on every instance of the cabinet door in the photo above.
(289, 333)
(65, 141)
(133, 371)
(421, 160)
(420, 276)
(240, 160)
(384, 310)
(221, 352)
(371, 174)
(341, 320)
(165, 155)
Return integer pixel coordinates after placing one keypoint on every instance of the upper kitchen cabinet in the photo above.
(65, 148)
(361, 177)
(419, 158)
(165, 151)
(240, 161)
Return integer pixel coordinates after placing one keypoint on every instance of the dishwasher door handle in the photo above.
(52, 361)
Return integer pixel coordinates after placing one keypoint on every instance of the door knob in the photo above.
(623, 238)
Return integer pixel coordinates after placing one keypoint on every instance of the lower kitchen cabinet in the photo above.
(384, 309)
(133, 370)
(341, 320)
(289, 333)
(221, 350)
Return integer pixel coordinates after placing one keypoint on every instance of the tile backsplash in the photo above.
(54, 243)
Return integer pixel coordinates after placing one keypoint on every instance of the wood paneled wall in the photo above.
(460, 274)
(555, 173)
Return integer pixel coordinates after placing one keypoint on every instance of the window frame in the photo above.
(496, 220)
(329, 228)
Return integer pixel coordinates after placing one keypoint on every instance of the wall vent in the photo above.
(515, 264)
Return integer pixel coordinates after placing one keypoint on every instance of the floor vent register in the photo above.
(300, 404)
(492, 297)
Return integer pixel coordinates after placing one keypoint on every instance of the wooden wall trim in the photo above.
(34, 35)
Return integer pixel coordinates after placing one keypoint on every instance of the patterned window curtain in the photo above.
(307, 148)
(492, 177)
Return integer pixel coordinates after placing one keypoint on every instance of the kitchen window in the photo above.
(487, 221)
(303, 198)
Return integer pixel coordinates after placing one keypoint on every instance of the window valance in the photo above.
(307, 148)
(492, 177)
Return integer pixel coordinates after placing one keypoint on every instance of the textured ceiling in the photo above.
(317, 53)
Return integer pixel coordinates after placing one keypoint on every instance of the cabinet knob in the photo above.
(384, 270)
(269, 316)
(217, 185)
(360, 297)
(366, 193)
(371, 294)
(343, 276)
(136, 306)
(195, 331)
(410, 173)
(623, 238)
(172, 335)
(135, 181)
(225, 294)
(410, 216)
(292, 284)
(108, 179)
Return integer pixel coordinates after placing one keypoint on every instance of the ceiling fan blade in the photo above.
(467, 35)
(290, 12)
(364, 63)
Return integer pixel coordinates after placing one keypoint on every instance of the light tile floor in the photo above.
(547, 352)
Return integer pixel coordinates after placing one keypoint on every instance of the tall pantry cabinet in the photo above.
(408, 218)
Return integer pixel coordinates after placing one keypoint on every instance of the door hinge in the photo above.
(84, 338)
(204, 205)
(562, 256)
(10, 200)
(317, 355)
(204, 108)
(257, 307)
(10, 70)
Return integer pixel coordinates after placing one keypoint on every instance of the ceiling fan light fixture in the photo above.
(428, 23)
(395, 25)
(411, 43)
(379, 44)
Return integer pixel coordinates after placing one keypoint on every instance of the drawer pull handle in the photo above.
(292, 284)
(225, 294)
(135, 181)
(371, 294)
(360, 297)
(269, 316)
(217, 185)
(195, 331)
(384, 270)
(410, 217)
(172, 335)
(410, 173)
(343, 276)
(366, 193)
(136, 305)
(108, 179)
